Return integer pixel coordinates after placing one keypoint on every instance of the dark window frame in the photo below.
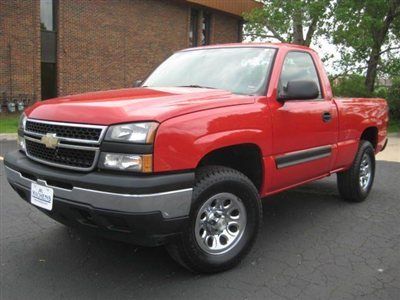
(206, 22)
(240, 26)
(194, 27)
(48, 75)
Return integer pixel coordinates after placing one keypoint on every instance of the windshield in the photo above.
(238, 70)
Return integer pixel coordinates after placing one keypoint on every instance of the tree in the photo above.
(288, 21)
(393, 99)
(368, 31)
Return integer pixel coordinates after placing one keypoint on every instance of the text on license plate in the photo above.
(42, 196)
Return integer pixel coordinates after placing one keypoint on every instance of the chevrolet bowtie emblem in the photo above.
(50, 140)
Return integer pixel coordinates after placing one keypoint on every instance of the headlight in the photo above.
(126, 162)
(22, 122)
(142, 133)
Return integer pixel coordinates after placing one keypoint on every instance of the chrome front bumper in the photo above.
(171, 204)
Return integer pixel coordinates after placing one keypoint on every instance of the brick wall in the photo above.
(20, 48)
(107, 46)
(225, 28)
(101, 44)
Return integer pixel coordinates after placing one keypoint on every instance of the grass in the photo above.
(9, 123)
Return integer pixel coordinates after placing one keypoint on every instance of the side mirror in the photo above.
(137, 83)
(300, 90)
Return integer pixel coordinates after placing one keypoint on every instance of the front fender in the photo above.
(182, 142)
(227, 138)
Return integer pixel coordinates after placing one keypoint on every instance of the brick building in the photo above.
(60, 47)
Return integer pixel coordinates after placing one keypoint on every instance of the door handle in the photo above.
(326, 117)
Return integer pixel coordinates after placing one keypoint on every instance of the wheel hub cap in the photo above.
(216, 222)
(220, 223)
(365, 172)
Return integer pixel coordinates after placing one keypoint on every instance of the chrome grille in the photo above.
(77, 132)
(77, 147)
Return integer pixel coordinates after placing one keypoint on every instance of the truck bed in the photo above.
(355, 115)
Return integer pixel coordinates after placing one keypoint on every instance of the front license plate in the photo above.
(42, 196)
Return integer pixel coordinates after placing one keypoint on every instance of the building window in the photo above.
(240, 31)
(194, 28)
(48, 78)
(48, 44)
(205, 38)
(205, 29)
(46, 15)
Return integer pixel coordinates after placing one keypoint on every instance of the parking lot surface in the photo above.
(312, 246)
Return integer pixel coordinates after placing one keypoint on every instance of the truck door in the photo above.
(304, 131)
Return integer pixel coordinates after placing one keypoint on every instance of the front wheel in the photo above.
(355, 183)
(224, 221)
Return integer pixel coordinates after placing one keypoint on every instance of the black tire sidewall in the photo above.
(251, 202)
(366, 148)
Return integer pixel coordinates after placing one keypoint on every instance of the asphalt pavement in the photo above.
(312, 245)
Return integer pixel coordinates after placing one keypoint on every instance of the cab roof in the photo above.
(255, 45)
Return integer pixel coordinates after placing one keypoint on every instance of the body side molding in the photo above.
(302, 156)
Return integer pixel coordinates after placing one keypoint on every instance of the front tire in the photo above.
(355, 183)
(224, 221)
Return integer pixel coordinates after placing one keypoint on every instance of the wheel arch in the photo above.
(243, 157)
(370, 134)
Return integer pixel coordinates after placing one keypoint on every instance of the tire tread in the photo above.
(348, 181)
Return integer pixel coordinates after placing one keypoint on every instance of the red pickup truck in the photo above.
(184, 159)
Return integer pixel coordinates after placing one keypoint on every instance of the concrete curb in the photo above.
(393, 134)
(8, 136)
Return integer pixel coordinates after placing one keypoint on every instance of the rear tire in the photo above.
(355, 183)
(225, 218)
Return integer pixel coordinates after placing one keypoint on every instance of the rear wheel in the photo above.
(224, 221)
(355, 183)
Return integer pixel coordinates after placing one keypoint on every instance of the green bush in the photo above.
(393, 99)
(381, 92)
(350, 86)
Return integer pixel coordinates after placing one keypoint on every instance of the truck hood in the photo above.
(134, 104)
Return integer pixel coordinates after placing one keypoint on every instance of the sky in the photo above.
(325, 48)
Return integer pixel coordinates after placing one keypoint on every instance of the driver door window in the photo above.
(298, 66)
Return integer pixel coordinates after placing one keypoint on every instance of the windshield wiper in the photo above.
(197, 86)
